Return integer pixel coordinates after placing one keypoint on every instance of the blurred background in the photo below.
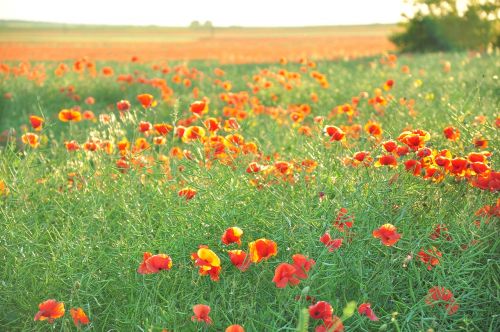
(239, 31)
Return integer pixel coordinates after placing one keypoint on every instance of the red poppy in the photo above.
(414, 139)
(321, 310)
(199, 107)
(430, 257)
(489, 181)
(201, 312)
(389, 146)
(154, 263)
(36, 122)
(335, 133)
(302, 265)
(373, 128)
(332, 244)
(343, 220)
(79, 316)
(365, 309)
(413, 166)
(284, 274)
(386, 160)
(333, 324)
(253, 167)
(451, 133)
(262, 249)
(442, 296)
(187, 193)
(440, 230)
(50, 310)
(240, 259)
(145, 126)
(163, 128)
(387, 234)
(123, 105)
(211, 124)
(232, 235)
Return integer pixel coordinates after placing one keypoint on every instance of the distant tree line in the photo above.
(443, 25)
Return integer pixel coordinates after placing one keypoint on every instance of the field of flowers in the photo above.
(297, 195)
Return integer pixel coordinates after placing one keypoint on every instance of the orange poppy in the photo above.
(232, 235)
(262, 249)
(253, 167)
(36, 122)
(66, 115)
(50, 310)
(154, 263)
(201, 312)
(146, 100)
(235, 328)
(387, 234)
(31, 139)
(163, 128)
(79, 316)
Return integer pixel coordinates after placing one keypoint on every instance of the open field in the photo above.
(382, 170)
(30, 41)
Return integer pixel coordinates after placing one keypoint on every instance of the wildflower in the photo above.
(335, 133)
(187, 193)
(232, 235)
(146, 100)
(235, 328)
(302, 265)
(154, 263)
(387, 234)
(208, 262)
(36, 122)
(66, 115)
(442, 296)
(199, 107)
(321, 310)
(365, 309)
(240, 259)
(262, 249)
(284, 274)
(331, 244)
(430, 257)
(201, 312)
(79, 316)
(31, 139)
(50, 310)
(123, 105)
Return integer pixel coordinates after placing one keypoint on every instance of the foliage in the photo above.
(439, 25)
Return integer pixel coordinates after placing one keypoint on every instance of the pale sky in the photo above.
(220, 12)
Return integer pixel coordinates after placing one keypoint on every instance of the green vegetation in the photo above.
(73, 226)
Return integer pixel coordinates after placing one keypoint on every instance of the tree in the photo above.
(442, 25)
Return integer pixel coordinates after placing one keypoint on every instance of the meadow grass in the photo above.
(82, 242)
